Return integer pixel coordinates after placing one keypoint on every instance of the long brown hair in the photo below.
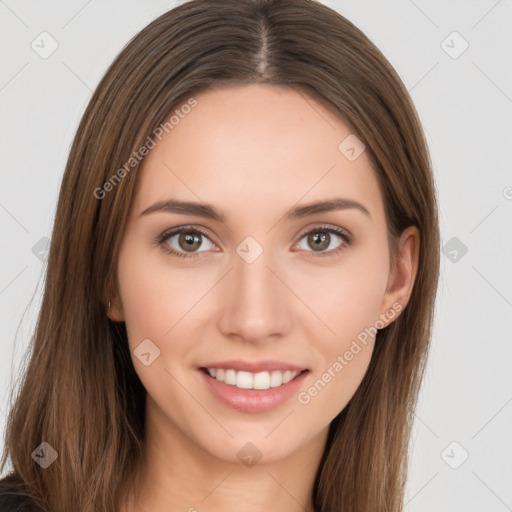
(80, 393)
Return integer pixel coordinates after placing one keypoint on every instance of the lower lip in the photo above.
(253, 400)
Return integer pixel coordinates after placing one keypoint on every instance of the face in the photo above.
(265, 284)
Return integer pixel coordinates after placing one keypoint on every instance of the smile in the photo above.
(254, 392)
(249, 380)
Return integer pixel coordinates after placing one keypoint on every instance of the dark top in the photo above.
(9, 501)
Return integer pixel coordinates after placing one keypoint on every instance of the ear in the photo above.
(401, 279)
(115, 311)
(114, 305)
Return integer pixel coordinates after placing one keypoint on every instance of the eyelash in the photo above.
(344, 235)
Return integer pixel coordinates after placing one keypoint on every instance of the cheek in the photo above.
(347, 297)
(333, 386)
(152, 300)
(155, 303)
(343, 355)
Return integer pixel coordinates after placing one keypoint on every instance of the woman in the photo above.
(241, 278)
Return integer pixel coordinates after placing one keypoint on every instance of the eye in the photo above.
(185, 241)
(322, 239)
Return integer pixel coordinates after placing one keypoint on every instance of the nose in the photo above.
(255, 304)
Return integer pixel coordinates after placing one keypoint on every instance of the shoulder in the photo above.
(11, 495)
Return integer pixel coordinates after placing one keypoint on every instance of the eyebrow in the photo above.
(209, 211)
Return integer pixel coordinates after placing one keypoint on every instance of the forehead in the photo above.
(259, 149)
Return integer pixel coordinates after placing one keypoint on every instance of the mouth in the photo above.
(253, 386)
(252, 380)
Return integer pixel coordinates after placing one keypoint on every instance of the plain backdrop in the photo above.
(454, 58)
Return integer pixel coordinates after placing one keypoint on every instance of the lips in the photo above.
(253, 386)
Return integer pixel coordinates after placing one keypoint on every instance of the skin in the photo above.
(254, 152)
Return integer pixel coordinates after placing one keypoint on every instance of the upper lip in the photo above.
(266, 365)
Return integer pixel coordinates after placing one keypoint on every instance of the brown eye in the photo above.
(189, 241)
(319, 241)
(323, 240)
(185, 242)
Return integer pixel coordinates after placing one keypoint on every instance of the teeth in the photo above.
(288, 376)
(276, 379)
(261, 380)
(243, 380)
(248, 380)
(230, 377)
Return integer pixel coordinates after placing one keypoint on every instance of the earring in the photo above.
(108, 307)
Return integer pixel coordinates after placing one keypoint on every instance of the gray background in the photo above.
(465, 104)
